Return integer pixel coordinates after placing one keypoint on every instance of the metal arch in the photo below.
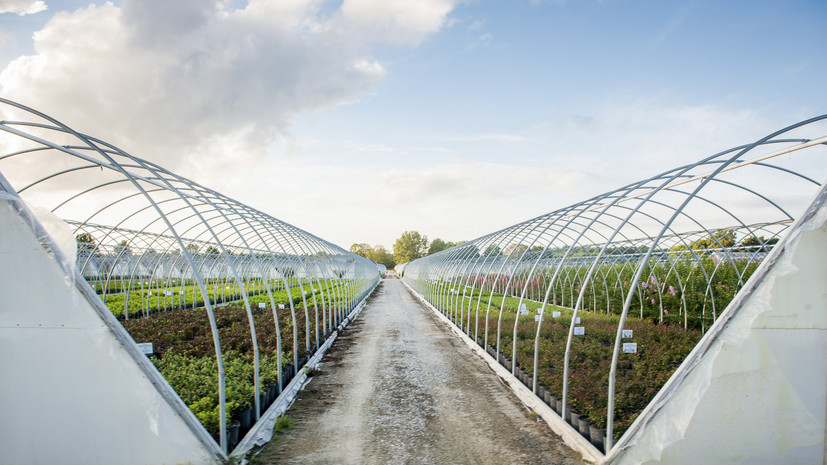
(179, 204)
(459, 269)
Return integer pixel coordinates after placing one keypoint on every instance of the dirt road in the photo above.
(398, 388)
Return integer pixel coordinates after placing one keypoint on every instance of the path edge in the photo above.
(262, 432)
(570, 437)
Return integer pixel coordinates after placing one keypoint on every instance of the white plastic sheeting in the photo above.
(75, 389)
(754, 390)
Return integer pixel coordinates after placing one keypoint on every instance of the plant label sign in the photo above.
(181, 292)
(577, 320)
(630, 347)
(579, 330)
(523, 312)
(627, 334)
(539, 311)
(261, 305)
(281, 306)
(145, 348)
(522, 308)
(556, 314)
(537, 318)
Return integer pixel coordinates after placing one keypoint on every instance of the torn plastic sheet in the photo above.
(648, 438)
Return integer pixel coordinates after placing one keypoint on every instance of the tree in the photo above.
(757, 243)
(361, 249)
(722, 238)
(123, 248)
(85, 242)
(516, 249)
(380, 255)
(492, 249)
(438, 245)
(410, 246)
(716, 240)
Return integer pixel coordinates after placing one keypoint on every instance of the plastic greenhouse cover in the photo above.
(692, 380)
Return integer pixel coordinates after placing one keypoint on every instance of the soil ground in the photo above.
(397, 387)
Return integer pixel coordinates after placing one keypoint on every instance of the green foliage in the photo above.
(438, 245)
(410, 246)
(378, 254)
(660, 308)
(283, 423)
(361, 249)
(492, 250)
(85, 238)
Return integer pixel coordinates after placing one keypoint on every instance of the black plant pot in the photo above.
(245, 418)
(232, 434)
(552, 401)
(583, 426)
(573, 418)
(597, 437)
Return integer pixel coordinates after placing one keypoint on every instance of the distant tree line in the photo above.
(409, 246)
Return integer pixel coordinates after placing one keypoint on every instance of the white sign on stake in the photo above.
(627, 334)
(150, 292)
(537, 317)
(281, 306)
(579, 330)
(181, 292)
(540, 311)
(630, 347)
(577, 320)
(522, 308)
(262, 305)
(555, 314)
(145, 348)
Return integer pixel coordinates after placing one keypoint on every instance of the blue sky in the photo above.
(451, 118)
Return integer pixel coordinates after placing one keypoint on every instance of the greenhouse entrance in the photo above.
(399, 387)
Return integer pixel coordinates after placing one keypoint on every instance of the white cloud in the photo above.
(397, 21)
(22, 7)
(161, 78)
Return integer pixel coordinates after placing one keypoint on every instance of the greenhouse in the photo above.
(149, 319)
(103, 250)
(593, 307)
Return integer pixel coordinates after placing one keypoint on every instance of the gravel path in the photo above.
(398, 388)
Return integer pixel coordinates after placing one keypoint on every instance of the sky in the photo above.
(357, 120)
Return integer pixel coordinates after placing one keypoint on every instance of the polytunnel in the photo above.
(594, 306)
(102, 250)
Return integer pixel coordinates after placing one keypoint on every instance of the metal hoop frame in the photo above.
(680, 222)
(152, 227)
